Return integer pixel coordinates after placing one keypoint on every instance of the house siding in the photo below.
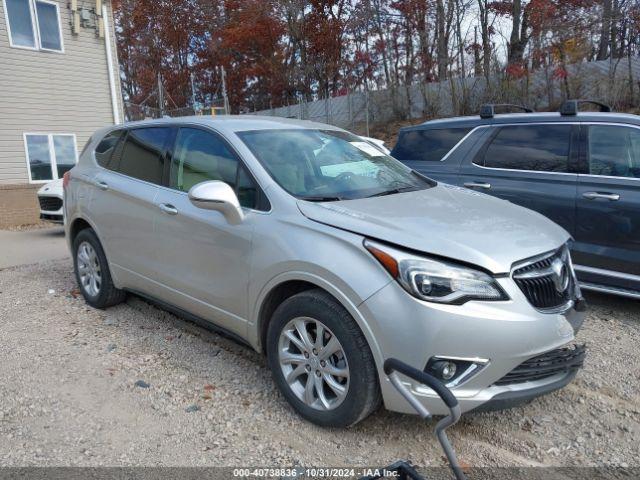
(48, 92)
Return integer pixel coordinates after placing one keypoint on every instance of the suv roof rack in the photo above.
(571, 107)
(489, 110)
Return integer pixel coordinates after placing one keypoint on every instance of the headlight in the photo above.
(435, 280)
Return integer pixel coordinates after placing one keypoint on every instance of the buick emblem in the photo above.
(560, 275)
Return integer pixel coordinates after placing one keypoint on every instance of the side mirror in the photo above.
(216, 195)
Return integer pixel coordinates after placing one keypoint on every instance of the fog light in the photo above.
(454, 370)
(444, 369)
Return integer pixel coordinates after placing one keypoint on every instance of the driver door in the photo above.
(204, 260)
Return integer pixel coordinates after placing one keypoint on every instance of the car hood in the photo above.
(51, 188)
(447, 221)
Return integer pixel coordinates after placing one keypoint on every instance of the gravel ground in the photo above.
(40, 225)
(135, 385)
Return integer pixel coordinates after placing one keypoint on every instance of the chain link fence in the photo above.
(613, 81)
(136, 112)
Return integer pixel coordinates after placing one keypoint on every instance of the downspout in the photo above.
(112, 83)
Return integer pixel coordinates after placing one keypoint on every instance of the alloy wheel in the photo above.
(89, 269)
(313, 363)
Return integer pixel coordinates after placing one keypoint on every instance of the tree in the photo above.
(279, 51)
(605, 30)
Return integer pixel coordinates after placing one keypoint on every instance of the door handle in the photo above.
(612, 197)
(102, 185)
(478, 185)
(168, 208)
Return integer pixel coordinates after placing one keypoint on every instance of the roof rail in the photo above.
(571, 107)
(489, 110)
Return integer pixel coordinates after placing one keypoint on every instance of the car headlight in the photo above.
(435, 280)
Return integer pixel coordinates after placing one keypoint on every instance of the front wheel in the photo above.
(321, 361)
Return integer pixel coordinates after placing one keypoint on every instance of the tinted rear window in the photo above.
(104, 150)
(427, 145)
(541, 148)
(143, 154)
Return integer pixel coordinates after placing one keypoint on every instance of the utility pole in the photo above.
(160, 96)
(366, 104)
(224, 90)
(193, 93)
(326, 105)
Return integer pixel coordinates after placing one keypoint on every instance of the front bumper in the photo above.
(51, 214)
(48, 213)
(504, 334)
(52, 217)
(519, 397)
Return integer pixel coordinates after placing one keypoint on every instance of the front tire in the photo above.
(321, 361)
(92, 271)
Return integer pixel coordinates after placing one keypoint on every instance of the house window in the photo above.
(49, 156)
(34, 24)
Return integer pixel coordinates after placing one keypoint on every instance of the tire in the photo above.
(88, 250)
(361, 386)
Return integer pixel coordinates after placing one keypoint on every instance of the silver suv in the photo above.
(316, 248)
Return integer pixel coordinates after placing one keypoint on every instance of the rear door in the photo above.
(532, 165)
(123, 204)
(608, 208)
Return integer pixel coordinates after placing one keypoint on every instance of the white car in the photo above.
(50, 199)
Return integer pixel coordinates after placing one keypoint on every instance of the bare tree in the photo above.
(483, 6)
(605, 30)
(519, 32)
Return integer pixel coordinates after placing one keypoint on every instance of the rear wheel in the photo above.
(92, 271)
(321, 361)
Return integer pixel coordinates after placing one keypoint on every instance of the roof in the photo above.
(542, 117)
(237, 123)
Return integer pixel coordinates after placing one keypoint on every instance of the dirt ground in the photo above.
(134, 385)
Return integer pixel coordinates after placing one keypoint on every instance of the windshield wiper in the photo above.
(321, 199)
(394, 191)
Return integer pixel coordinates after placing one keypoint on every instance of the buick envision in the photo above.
(316, 248)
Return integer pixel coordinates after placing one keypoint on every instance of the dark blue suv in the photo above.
(580, 169)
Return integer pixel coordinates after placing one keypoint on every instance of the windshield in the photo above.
(326, 165)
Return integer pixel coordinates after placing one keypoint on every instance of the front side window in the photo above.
(540, 148)
(34, 24)
(325, 165)
(614, 151)
(427, 145)
(201, 156)
(143, 154)
(49, 156)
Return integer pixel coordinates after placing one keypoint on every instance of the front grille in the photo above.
(562, 360)
(50, 204)
(547, 283)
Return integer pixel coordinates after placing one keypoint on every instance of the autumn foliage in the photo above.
(279, 52)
